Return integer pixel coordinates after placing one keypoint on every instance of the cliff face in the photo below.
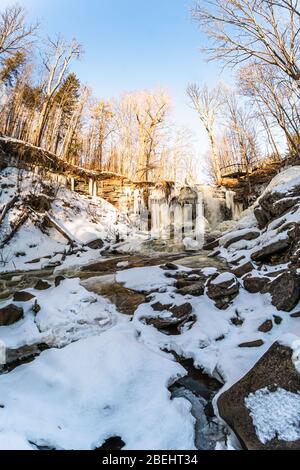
(258, 179)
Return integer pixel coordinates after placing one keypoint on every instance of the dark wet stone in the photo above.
(58, 280)
(113, 443)
(295, 315)
(23, 296)
(42, 285)
(266, 327)
(96, 244)
(278, 320)
(252, 344)
(10, 315)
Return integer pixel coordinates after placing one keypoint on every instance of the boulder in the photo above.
(266, 327)
(223, 289)
(274, 370)
(96, 244)
(256, 284)
(58, 280)
(196, 290)
(42, 285)
(270, 249)
(10, 314)
(295, 315)
(251, 235)
(23, 296)
(244, 269)
(180, 314)
(285, 291)
(252, 344)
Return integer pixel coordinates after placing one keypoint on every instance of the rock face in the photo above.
(223, 292)
(10, 315)
(285, 291)
(275, 370)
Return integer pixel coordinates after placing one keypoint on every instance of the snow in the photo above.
(275, 415)
(68, 313)
(285, 181)
(144, 279)
(224, 278)
(77, 397)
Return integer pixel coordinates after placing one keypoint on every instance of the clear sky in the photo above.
(133, 44)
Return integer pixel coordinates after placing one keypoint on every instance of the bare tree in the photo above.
(275, 97)
(56, 62)
(15, 35)
(207, 103)
(267, 30)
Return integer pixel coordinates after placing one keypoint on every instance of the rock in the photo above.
(261, 217)
(180, 311)
(251, 235)
(180, 314)
(278, 320)
(10, 315)
(273, 248)
(113, 443)
(196, 290)
(36, 308)
(23, 297)
(42, 285)
(171, 266)
(243, 270)
(252, 344)
(159, 307)
(285, 291)
(58, 280)
(256, 284)
(275, 369)
(295, 315)
(211, 245)
(96, 244)
(223, 293)
(266, 326)
(39, 203)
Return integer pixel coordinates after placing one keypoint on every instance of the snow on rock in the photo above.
(67, 313)
(275, 415)
(79, 396)
(144, 279)
(224, 278)
(285, 181)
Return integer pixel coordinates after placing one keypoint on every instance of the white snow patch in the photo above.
(275, 414)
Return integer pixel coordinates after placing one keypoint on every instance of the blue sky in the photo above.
(133, 44)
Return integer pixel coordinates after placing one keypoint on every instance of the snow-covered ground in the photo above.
(109, 375)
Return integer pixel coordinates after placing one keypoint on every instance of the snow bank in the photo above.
(105, 386)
